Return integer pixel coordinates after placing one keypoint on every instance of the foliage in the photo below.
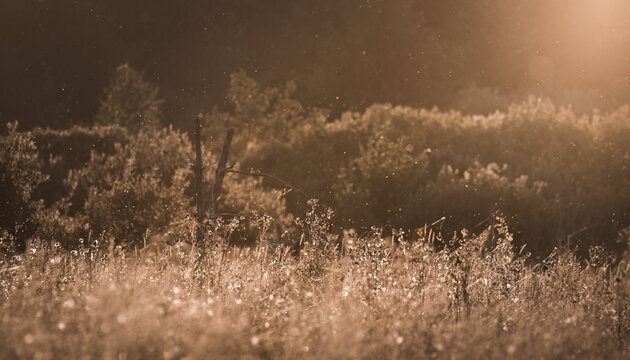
(61, 151)
(20, 175)
(258, 115)
(558, 177)
(142, 186)
(375, 186)
(263, 209)
(138, 188)
(130, 101)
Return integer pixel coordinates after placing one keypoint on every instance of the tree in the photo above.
(130, 101)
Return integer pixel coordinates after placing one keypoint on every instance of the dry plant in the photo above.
(375, 299)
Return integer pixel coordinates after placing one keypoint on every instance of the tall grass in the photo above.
(364, 297)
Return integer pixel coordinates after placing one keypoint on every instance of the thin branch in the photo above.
(261, 174)
(583, 230)
(277, 179)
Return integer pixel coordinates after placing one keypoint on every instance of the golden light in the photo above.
(587, 38)
(541, 68)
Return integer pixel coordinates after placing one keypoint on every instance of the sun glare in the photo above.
(587, 36)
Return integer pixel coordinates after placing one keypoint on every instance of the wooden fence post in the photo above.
(198, 168)
(220, 173)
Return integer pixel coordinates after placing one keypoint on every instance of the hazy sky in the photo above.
(57, 55)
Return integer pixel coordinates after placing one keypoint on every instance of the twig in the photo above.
(583, 230)
(273, 177)
(261, 174)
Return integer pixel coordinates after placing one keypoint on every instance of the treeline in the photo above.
(558, 178)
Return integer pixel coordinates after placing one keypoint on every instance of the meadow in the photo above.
(360, 297)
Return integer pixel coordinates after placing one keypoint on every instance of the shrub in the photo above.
(138, 188)
(263, 210)
(381, 183)
(61, 151)
(20, 174)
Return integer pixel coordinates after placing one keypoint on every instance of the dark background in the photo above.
(57, 56)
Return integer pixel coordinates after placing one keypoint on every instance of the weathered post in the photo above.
(220, 173)
(198, 168)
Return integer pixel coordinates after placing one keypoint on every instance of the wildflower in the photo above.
(68, 304)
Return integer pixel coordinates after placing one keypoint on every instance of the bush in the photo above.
(264, 210)
(20, 175)
(382, 182)
(138, 188)
(61, 151)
